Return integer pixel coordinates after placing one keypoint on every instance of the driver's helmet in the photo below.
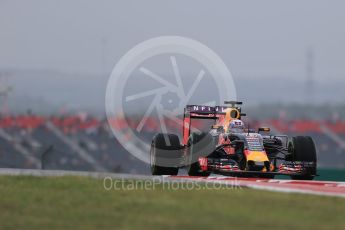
(236, 126)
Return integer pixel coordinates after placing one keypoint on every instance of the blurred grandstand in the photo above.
(85, 142)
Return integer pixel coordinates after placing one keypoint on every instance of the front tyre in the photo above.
(165, 154)
(302, 149)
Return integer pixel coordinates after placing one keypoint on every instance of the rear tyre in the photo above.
(302, 148)
(199, 145)
(165, 157)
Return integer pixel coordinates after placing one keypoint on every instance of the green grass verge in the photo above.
(83, 203)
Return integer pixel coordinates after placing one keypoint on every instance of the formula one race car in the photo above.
(231, 149)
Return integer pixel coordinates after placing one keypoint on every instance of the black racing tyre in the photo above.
(165, 157)
(199, 145)
(302, 148)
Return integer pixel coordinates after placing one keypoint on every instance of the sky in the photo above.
(254, 38)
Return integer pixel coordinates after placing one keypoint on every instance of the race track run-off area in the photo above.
(326, 188)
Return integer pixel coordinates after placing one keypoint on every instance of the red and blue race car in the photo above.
(230, 148)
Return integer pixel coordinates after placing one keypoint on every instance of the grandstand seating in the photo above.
(24, 138)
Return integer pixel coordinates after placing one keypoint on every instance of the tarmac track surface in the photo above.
(325, 188)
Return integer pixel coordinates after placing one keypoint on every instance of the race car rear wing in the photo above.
(206, 112)
(203, 110)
